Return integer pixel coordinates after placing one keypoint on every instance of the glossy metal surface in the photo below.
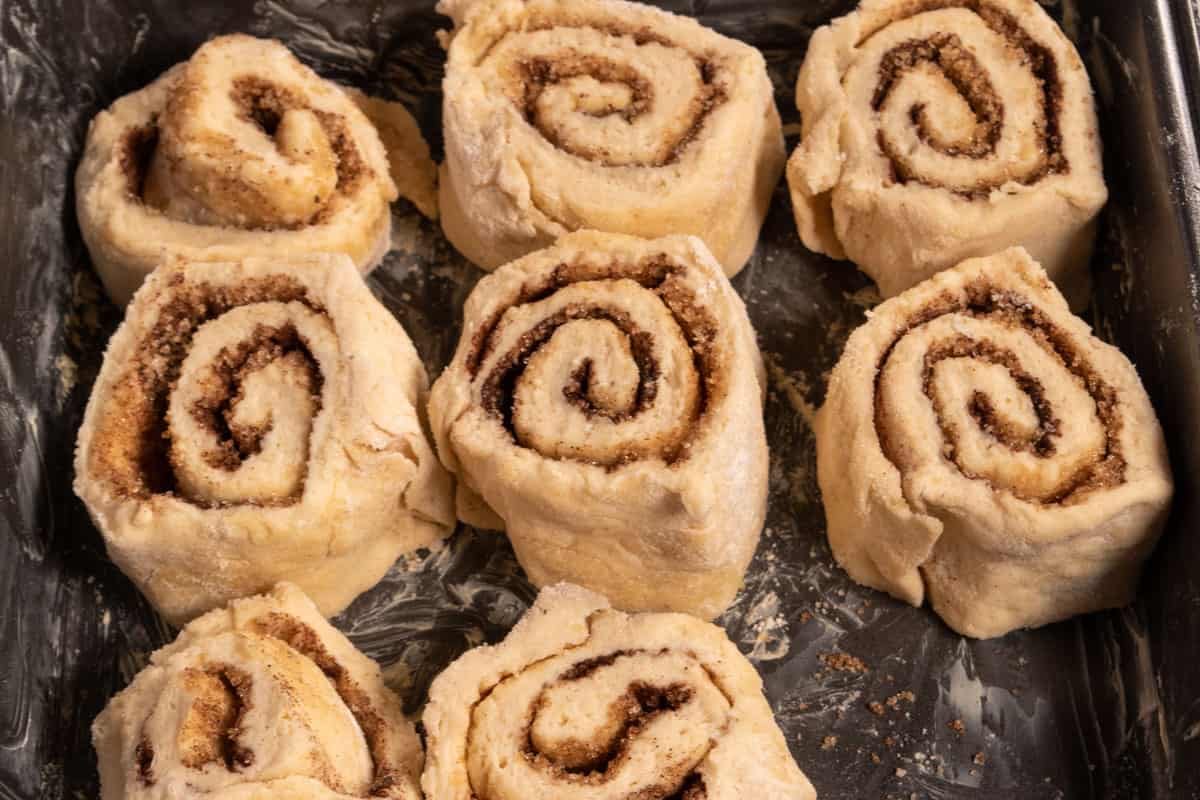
(1105, 706)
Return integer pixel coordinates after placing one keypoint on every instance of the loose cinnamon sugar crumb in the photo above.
(894, 701)
(843, 662)
(956, 726)
(980, 758)
(875, 758)
(805, 616)
(875, 707)
(829, 742)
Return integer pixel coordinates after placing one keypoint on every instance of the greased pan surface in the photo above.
(1104, 706)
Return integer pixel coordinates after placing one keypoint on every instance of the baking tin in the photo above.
(1103, 706)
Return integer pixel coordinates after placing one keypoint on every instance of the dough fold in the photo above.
(239, 151)
(605, 115)
(581, 701)
(604, 406)
(258, 421)
(263, 698)
(938, 130)
(979, 446)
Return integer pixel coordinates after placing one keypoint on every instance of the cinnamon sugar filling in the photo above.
(1013, 310)
(134, 154)
(132, 441)
(143, 757)
(658, 274)
(946, 51)
(221, 698)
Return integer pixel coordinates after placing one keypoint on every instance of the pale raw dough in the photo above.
(561, 115)
(979, 446)
(412, 167)
(603, 406)
(261, 699)
(656, 705)
(239, 151)
(967, 150)
(292, 445)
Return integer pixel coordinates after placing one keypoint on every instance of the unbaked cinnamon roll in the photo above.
(979, 447)
(581, 701)
(259, 421)
(260, 699)
(239, 151)
(606, 115)
(603, 406)
(937, 130)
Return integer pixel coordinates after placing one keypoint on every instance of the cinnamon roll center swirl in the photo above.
(1014, 402)
(607, 93)
(251, 403)
(251, 385)
(604, 364)
(258, 150)
(304, 696)
(964, 97)
(637, 722)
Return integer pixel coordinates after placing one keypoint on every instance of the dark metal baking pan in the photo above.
(1103, 706)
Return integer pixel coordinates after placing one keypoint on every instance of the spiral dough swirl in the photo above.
(615, 117)
(605, 386)
(228, 410)
(1006, 443)
(264, 697)
(584, 702)
(242, 151)
(941, 129)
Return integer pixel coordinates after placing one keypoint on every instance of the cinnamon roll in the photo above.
(603, 405)
(260, 699)
(581, 701)
(239, 151)
(258, 421)
(937, 130)
(561, 115)
(979, 446)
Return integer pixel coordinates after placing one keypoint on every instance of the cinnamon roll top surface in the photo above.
(262, 698)
(936, 130)
(584, 701)
(257, 421)
(606, 115)
(980, 446)
(605, 393)
(241, 151)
